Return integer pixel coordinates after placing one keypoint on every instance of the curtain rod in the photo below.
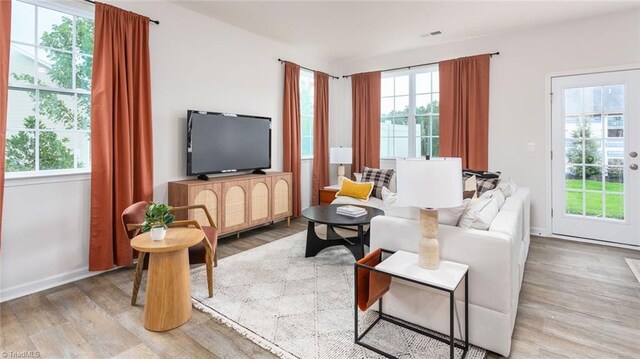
(306, 68)
(150, 20)
(409, 67)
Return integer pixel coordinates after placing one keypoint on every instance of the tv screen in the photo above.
(220, 143)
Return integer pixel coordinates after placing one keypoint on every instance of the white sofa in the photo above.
(496, 260)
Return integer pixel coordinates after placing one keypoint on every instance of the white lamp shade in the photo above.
(435, 183)
(340, 155)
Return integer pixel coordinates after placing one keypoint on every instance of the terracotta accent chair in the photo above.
(204, 252)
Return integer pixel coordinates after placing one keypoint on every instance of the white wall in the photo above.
(196, 63)
(518, 97)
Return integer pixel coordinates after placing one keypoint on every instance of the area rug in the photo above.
(299, 307)
(634, 264)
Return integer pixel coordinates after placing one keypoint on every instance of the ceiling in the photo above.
(344, 30)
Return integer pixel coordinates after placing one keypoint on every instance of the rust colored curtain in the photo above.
(320, 135)
(121, 137)
(291, 130)
(464, 110)
(5, 48)
(365, 92)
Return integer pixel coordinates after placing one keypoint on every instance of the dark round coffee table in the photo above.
(326, 214)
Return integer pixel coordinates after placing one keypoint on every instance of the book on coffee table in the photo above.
(351, 211)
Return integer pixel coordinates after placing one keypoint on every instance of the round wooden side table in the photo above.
(167, 302)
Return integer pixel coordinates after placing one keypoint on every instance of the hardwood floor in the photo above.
(577, 301)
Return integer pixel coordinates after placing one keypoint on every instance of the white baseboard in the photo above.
(538, 231)
(46, 283)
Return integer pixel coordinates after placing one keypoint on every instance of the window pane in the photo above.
(435, 103)
(83, 149)
(423, 83)
(21, 151)
(401, 126)
(574, 202)
(573, 127)
(422, 126)
(593, 126)
(614, 98)
(614, 181)
(402, 85)
(435, 147)
(387, 87)
(57, 110)
(386, 105)
(22, 64)
(307, 126)
(401, 147)
(435, 125)
(615, 121)
(307, 146)
(592, 100)
(23, 22)
(21, 109)
(56, 150)
(435, 81)
(425, 147)
(83, 72)
(422, 103)
(593, 152)
(614, 206)
(386, 146)
(84, 112)
(386, 127)
(574, 177)
(402, 105)
(594, 204)
(84, 36)
(573, 100)
(54, 68)
(55, 29)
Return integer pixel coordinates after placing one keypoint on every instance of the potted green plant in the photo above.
(156, 219)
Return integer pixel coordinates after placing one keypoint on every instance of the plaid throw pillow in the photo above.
(485, 181)
(486, 184)
(379, 177)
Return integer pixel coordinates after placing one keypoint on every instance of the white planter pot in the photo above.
(158, 233)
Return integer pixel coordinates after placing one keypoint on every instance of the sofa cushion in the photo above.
(485, 216)
(508, 187)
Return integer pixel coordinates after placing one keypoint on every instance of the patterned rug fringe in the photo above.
(257, 339)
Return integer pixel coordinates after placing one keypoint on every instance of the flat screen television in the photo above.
(227, 143)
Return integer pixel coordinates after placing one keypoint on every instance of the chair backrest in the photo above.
(134, 214)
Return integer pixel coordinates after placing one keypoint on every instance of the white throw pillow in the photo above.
(485, 216)
(497, 194)
(389, 198)
(508, 187)
(358, 176)
(451, 216)
(470, 214)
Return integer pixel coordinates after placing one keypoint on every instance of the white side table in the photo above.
(447, 278)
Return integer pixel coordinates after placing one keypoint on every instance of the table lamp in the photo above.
(340, 156)
(429, 184)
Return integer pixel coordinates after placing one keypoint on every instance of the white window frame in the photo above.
(58, 175)
(413, 150)
(306, 116)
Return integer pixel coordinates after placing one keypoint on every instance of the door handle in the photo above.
(633, 154)
(633, 166)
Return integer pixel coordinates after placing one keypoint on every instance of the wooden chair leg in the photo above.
(137, 278)
(209, 273)
(215, 258)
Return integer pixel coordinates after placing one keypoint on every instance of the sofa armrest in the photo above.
(488, 254)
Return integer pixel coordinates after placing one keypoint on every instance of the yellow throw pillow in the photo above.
(358, 190)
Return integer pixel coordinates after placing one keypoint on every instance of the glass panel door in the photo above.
(595, 134)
